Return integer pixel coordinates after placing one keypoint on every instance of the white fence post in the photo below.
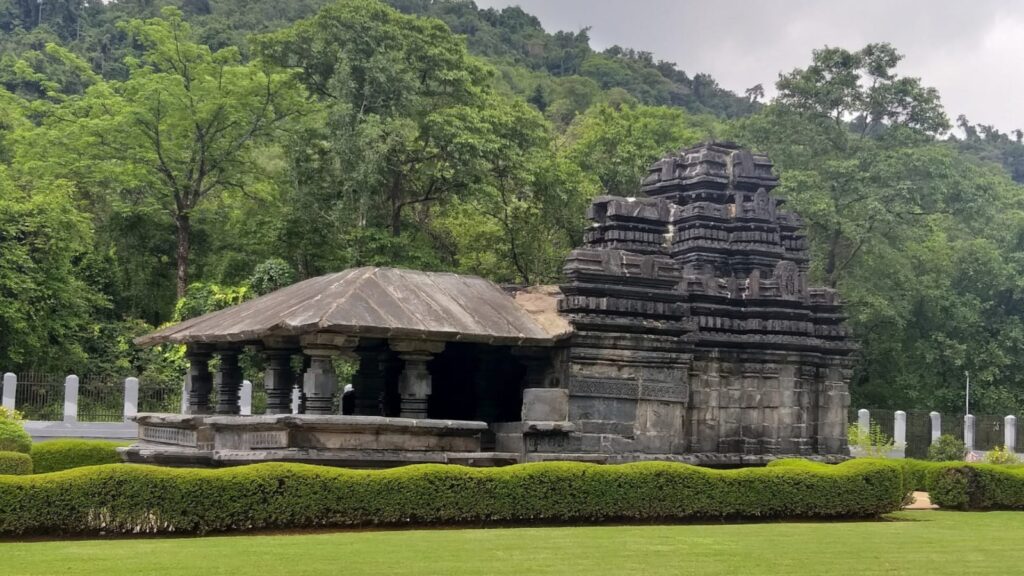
(899, 435)
(1010, 433)
(936, 426)
(10, 390)
(864, 421)
(131, 398)
(245, 399)
(71, 398)
(969, 432)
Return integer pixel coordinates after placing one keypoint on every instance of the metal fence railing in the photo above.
(40, 396)
(100, 400)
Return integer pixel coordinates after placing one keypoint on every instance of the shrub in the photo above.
(1001, 455)
(13, 437)
(15, 463)
(947, 448)
(914, 472)
(121, 498)
(871, 444)
(978, 487)
(57, 455)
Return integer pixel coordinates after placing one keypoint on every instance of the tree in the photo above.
(616, 146)
(46, 304)
(402, 100)
(183, 125)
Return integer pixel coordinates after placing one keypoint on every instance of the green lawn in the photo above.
(906, 543)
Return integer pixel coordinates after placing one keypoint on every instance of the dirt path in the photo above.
(921, 502)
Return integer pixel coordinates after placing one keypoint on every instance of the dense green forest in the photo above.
(163, 158)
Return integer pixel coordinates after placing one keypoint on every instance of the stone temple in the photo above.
(684, 330)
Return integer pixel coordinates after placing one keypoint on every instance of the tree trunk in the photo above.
(396, 205)
(832, 259)
(184, 226)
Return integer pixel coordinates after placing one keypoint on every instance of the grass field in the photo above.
(906, 543)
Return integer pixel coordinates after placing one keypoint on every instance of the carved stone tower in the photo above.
(695, 331)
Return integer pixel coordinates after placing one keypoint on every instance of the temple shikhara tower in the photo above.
(685, 330)
(695, 329)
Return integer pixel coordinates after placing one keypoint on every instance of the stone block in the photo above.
(545, 404)
(610, 409)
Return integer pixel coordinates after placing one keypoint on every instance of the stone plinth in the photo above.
(357, 441)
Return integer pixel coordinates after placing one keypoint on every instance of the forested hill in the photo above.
(162, 159)
(554, 70)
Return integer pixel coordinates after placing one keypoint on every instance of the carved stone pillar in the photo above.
(414, 384)
(278, 380)
(320, 381)
(228, 381)
(200, 380)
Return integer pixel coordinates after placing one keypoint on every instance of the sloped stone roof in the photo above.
(373, 302)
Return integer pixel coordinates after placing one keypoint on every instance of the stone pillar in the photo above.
(228, 381)
(969, 432)
(296, 400)
(936, 426)
(278, 381)
(71, 398)
(320, 381)
(1010, 433)
(369, 382)
(245, 399)
(131, 397)
(864, 422)
(899, 435)
(199, 381)
(10, 390)
(414, 384)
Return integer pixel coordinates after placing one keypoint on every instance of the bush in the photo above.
(57, 455)
(13, 437)
(126, 499)
(914, 472)
(947, 448)
(978, 487)
(1001, 455)
(870, 444)
(15, 463)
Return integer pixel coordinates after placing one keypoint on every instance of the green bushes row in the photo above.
(145, 499)
(950, 484)
(15, 463)
(977, 486)
(57, 455)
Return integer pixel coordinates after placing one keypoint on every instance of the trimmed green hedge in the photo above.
(977, 486)
(57, 455)
(126, 499)
(15, 463)
(13, 437)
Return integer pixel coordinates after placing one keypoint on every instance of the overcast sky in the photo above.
(971, 50)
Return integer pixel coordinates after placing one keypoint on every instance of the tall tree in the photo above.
(183, 124)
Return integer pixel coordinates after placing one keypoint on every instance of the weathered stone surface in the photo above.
(546, 404)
